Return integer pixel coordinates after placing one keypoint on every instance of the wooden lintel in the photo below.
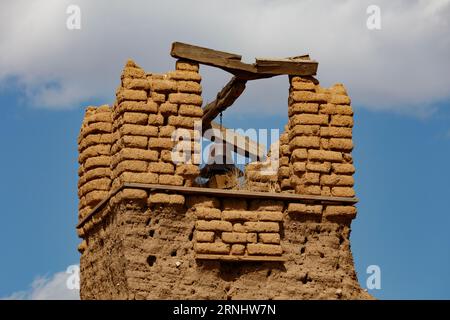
(221, 257)
(292, 197)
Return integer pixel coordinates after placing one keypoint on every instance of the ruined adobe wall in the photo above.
(142, 250)
(315, 148)
(144, 244)
(132, 140)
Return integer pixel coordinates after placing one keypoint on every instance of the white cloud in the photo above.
(48, 288)
(402, 67)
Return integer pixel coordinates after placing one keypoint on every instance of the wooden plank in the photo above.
(239, 258)
(240, 144)
(241, 193)
(297, 66)
(98, 206)
(225, 193)
(228, 61)
(225, 98)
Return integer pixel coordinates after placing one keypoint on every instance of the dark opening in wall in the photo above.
(151, 260)
(173, 253)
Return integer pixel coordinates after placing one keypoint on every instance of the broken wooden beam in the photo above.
(290, 66)
(228, 61)
(231, 62)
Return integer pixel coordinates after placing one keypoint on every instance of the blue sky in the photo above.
(401, 134)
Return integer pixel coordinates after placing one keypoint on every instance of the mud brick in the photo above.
(189, 87)
(184, 75)
(95, 162)
(98, 117)
(169, 179)
(214, 225)
(324, 167)
(180, 121)
(298, 167)
(161, 85)
(231, 215)
(303, 86)
(273, 238)
(204, 236)
(168, 108)
(185, 98)
(157, 97)
(94, 151)
(341, 121)
(214, 248)
(138, 154)
(190, 110)
(299, 154)
(138, 130)
(238, 249)
(208, 213)
(155, 119)
(262, 226)
(133, 95)
(141, 177)
(304, 142)
(308, 119)
(161, 143)
(341, 144)
(133, 72)
(264, 249)
(270, 216)
(234, 237)
(343, 192)
(340, 211)
(301, 208)
(339, 99)
(131, 165)
(166, 131)
(304, 130)
(97, 127)
(162, 198)
(336, 180)
(161, 167)
(344, 168)
(186, 65)
(137, 84)
(323, 155)
(131, 194)
(336, 132)
(137, 106)
(306, 96)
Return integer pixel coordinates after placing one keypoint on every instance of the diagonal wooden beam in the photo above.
(239, 143)
(225, 98)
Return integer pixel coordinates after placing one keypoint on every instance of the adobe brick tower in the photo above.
(150, 230)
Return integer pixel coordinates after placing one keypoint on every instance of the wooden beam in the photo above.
(224, 193)
(240, 144)
(297, 66)
(225, 98)
(221, 257)
(228, 61)
(231, 62)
